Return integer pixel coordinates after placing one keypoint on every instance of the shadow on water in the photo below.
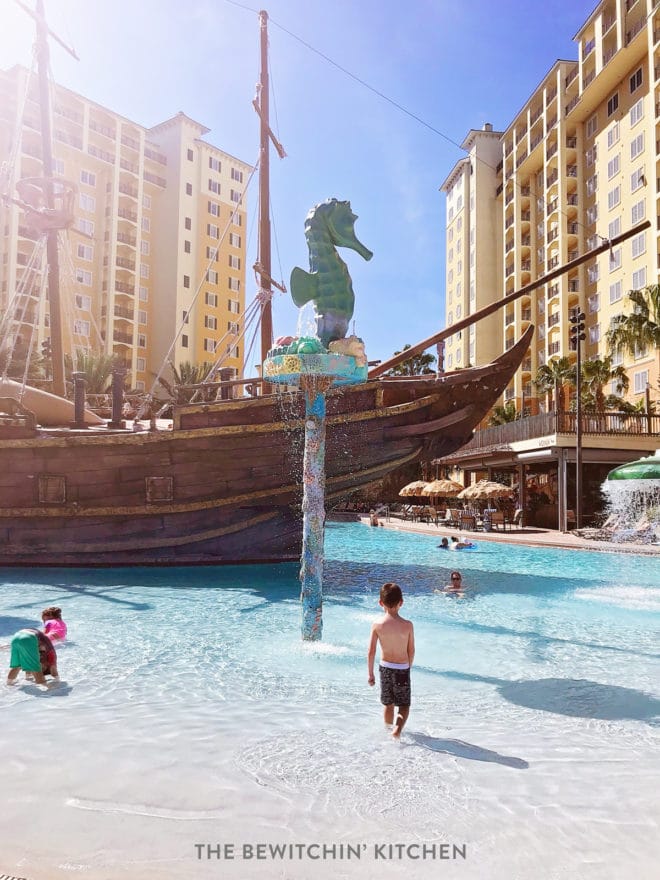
(577, 698)
(462, 749)
(10, 625)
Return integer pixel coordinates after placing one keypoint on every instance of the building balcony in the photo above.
(572, 73)
(123, 338)
(526, 315)
(553, 320)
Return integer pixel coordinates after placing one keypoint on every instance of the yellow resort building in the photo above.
(153, 267)
(577, 166)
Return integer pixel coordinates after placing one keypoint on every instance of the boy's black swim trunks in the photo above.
(394, 686)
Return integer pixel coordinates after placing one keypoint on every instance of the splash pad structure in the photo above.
(305, 364)
(633, 500)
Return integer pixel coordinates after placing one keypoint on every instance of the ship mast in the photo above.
(52, 257)
(264, 197)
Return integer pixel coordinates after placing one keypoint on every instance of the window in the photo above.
(638, 212)
(211, 276)
(232, 350)
(85, 226)
(214, 186)
(637, 112)
(232, 327)
(84, 277)
(186, 280)
(212, 230)
(210, 322)
(88, 177)
(211, 253)
(613, 104)
(458, 312)
(211, 299)
(209, 344)
(146, 202)
(184, 340)
(85, 252)
(592, 184)
(237, 175)
(234, 262)
(142, 340)
(145, 223)
(187, 223)
(638, 245)
(145, 248)
(83, 302)
(613, 166)
(144, 270)
(186, 247)
(637, 179)
(234, 284)
(590, 155)
(639, 278)
(637, 146)
(594, 302)
(189, 189)
(190, 155)
(614, 228)
(594, 333)
(81, 328)
(234, 239)
(640, 381)
(593, 273)
(142, 316)
(214, 209)
(141, 364)
(592, 214)
(613, 197)
(237, 219)
(58, 167)
(215, 164)
(616, 292)
(143, 294)
(592, 125)
(636, 80)
(234, 195)
(615, 259)
(450, 255)
(87, 203)
(612, 135)
(234, 306)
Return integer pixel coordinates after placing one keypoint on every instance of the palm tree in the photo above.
(417, 365)
(552, 377)
(186, 374)
(598, 372)
(502, 415)
(641, 328)
(96, 366)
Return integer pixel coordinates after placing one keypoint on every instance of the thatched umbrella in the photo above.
(485, 490)
(413, 489)
(443, 489)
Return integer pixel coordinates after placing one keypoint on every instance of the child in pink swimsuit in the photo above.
(54, 626)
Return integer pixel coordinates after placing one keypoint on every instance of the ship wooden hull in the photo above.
(223, 484)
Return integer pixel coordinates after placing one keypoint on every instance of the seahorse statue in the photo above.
(328, 284)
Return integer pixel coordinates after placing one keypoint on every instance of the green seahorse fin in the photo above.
(303, 286)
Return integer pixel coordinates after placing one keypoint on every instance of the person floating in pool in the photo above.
(461, 544)
(444, 544)
(54, 626)
(454, 586)
(33, 652)
(397, 651)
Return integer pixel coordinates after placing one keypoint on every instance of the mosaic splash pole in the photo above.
(305, 364)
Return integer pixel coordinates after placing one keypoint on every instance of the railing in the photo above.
(634, 30)
(543, 424)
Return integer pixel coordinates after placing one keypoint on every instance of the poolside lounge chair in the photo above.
(498, 520)
(467, 521)
(519, 518)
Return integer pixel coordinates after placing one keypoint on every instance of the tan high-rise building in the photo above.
(153, 267)
(577, 167)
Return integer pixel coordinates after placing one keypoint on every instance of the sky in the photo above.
(453, 64)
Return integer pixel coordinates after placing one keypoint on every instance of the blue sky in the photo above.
(454, 64)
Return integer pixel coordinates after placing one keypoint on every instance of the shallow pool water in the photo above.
(190, 715)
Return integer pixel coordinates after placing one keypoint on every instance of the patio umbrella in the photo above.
(443, 488)
(485, 490)
(413, 489)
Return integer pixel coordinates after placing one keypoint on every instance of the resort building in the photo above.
(153, 267)
(574, 169)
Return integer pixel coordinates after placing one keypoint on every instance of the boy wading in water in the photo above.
(397, 649)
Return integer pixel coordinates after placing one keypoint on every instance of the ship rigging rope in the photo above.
(517, 184)
(7, 182)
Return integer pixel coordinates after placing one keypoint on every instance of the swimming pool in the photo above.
(191, 715)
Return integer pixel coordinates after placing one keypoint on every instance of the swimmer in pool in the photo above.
(463, 544)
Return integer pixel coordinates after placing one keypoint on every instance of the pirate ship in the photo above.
(220, 482)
